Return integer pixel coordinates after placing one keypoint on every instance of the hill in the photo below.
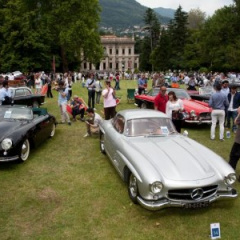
(123, 14)
(165, 12)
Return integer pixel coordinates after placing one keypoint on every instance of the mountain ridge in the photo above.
(124, 13)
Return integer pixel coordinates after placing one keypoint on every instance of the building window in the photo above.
(110, 51)
(123, 51)
(129, 51)
(85, 65)
(116, 65)
(104, 66)
(116, 51)
(110, 65)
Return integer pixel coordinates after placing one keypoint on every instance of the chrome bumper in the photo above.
(198, 121)
(164, 203)
(8, 159)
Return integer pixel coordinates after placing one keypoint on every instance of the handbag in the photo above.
(177, 115)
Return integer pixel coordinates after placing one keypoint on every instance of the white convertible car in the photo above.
(161, 167)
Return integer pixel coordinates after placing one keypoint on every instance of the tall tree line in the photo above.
(193, 41)
(33, 31)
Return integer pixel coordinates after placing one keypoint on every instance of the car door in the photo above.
(41, 129)
(116, 143)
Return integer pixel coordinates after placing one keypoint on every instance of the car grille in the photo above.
(205, 116)
(192, 193)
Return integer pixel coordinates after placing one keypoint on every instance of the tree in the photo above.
(34, 30)
(196, 18)
(178, 34)
(219, 41)
(161, 54)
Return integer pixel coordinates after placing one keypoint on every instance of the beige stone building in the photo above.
(119, 55)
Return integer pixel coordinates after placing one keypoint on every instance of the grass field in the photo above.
(69, 190)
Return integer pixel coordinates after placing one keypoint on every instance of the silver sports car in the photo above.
(161, 167)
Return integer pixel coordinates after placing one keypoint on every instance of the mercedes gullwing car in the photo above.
(21, 129)
(161, 167)
(195, 111)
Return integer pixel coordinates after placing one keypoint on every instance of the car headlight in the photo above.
(156, 187)
(192, 113)
(6, 144)
(230, 179)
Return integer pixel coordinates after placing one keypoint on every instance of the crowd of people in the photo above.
(224, 101)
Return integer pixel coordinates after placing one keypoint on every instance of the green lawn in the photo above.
(69, 190)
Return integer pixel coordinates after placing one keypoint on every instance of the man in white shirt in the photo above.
(5, 94)
(92, 123)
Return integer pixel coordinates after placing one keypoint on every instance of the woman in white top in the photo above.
(109, 101)
(38, 83)
(174, 110)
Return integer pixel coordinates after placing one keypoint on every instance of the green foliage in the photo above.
(33, 31)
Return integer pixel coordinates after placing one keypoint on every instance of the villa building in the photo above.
(119, 55)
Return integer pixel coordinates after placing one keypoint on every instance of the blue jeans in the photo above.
(231, 115)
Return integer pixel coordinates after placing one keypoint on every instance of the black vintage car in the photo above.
(24, 96)
(23, 128)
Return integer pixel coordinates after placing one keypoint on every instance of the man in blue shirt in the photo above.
(141, 84)
(62, 102)
(219, 102)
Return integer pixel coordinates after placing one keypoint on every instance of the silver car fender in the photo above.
(130, 167)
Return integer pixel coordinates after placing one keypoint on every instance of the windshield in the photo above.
(180, 93)
(149, 127)
(16, 113)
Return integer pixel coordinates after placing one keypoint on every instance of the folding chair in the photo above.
(130, 94)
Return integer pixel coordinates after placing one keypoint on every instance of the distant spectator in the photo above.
(109, 101)
(234, 103)
(219, 102)
(161, 100)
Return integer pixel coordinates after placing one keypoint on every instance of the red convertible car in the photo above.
(195, 111)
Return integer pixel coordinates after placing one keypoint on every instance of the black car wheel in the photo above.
(143, 105)
(132, 188)
(24, 151)
(53, 130)
(102, 144)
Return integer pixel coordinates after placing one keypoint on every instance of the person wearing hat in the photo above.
(77, 108)
(5, 94)
(92, 123)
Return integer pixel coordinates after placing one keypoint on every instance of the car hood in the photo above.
(197, 107)
(175, 158)
(7, 128)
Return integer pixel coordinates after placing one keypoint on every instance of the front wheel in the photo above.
(133, 188)
(24, 151)
(102, 143)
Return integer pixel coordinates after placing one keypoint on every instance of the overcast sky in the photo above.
(207, 6)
